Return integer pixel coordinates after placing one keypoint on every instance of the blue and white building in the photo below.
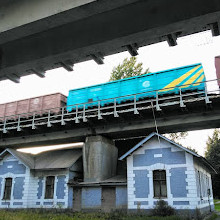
(155, 168)
(158, 168)
(28, 181)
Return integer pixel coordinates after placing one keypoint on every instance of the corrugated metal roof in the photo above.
(57, 159)
(50, 160)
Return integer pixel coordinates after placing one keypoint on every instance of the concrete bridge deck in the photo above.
(39, 35)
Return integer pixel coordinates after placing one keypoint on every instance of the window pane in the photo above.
(163, 175)
(163, 189)
(49, 187)
(159, 181)
(156, 189)
(7, 191)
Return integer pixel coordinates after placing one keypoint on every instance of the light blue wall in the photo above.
(168, 157)
(178, 182)
(48, 203)
(141, 183)
(17, 203)
(91, 197)
(0, 186)
(202, 183)
(60, 187)
(141, 203)
(70, 197)
(121, 196)
(5, 203)
(18, 187)
(40, 187)
(16, 168)
(180, 202)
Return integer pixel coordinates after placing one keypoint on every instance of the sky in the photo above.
(196, 48)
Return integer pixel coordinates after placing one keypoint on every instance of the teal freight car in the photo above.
(190, 78)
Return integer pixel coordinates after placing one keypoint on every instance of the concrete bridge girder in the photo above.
(96, 29)
(197, 117)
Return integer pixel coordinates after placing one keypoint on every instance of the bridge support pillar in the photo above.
(99, 158)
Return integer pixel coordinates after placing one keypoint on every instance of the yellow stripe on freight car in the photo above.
(198, 82)
(179, 80)
(192, 79)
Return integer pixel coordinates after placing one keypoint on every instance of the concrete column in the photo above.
(99, 159)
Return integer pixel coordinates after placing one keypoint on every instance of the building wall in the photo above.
(180, 176)
(28, 187)
(203, 184)
(92, 198)
(10, 167)
(62, 192)
(121, 197)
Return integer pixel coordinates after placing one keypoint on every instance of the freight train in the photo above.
(189, 78)
(40, 105)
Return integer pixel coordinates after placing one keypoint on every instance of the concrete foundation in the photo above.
(99, 159)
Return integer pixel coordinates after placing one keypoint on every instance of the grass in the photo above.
(217, 205)
(46, 215)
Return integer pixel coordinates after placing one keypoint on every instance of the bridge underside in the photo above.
(195, 116)
(96, 29)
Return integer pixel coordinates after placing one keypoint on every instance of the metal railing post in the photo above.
(48, 120)
(76, 118)
(182, 105)
(135, 105)
(19, 121)
(99, 111)
(4, 127)
(207, 101)
(62, 116)
(115, 111)
(84, 113)
(157, 102)
(33, 124)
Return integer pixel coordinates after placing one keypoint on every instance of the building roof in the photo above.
(50, 160)
(140, 144)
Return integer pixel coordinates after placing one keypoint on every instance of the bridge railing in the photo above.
(155, 99)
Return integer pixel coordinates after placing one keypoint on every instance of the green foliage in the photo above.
(192, 149)
(43, 214)
(212, 217)
(212, 154)
(128, 68)
(177, 136)
(163, 209)
(217, 205)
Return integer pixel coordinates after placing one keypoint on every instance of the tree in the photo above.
(192, 149)
(177, 136)
(212, 154)
(128, 68)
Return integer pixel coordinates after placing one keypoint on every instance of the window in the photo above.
(7, 191)
(160, 185)
(49, 189)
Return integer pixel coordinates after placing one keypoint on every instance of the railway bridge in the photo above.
(116, 121)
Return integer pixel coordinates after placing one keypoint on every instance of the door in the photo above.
(76, 199)
(108, 199)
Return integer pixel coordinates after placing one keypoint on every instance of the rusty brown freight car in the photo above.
(39, 105)
(217, 67)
